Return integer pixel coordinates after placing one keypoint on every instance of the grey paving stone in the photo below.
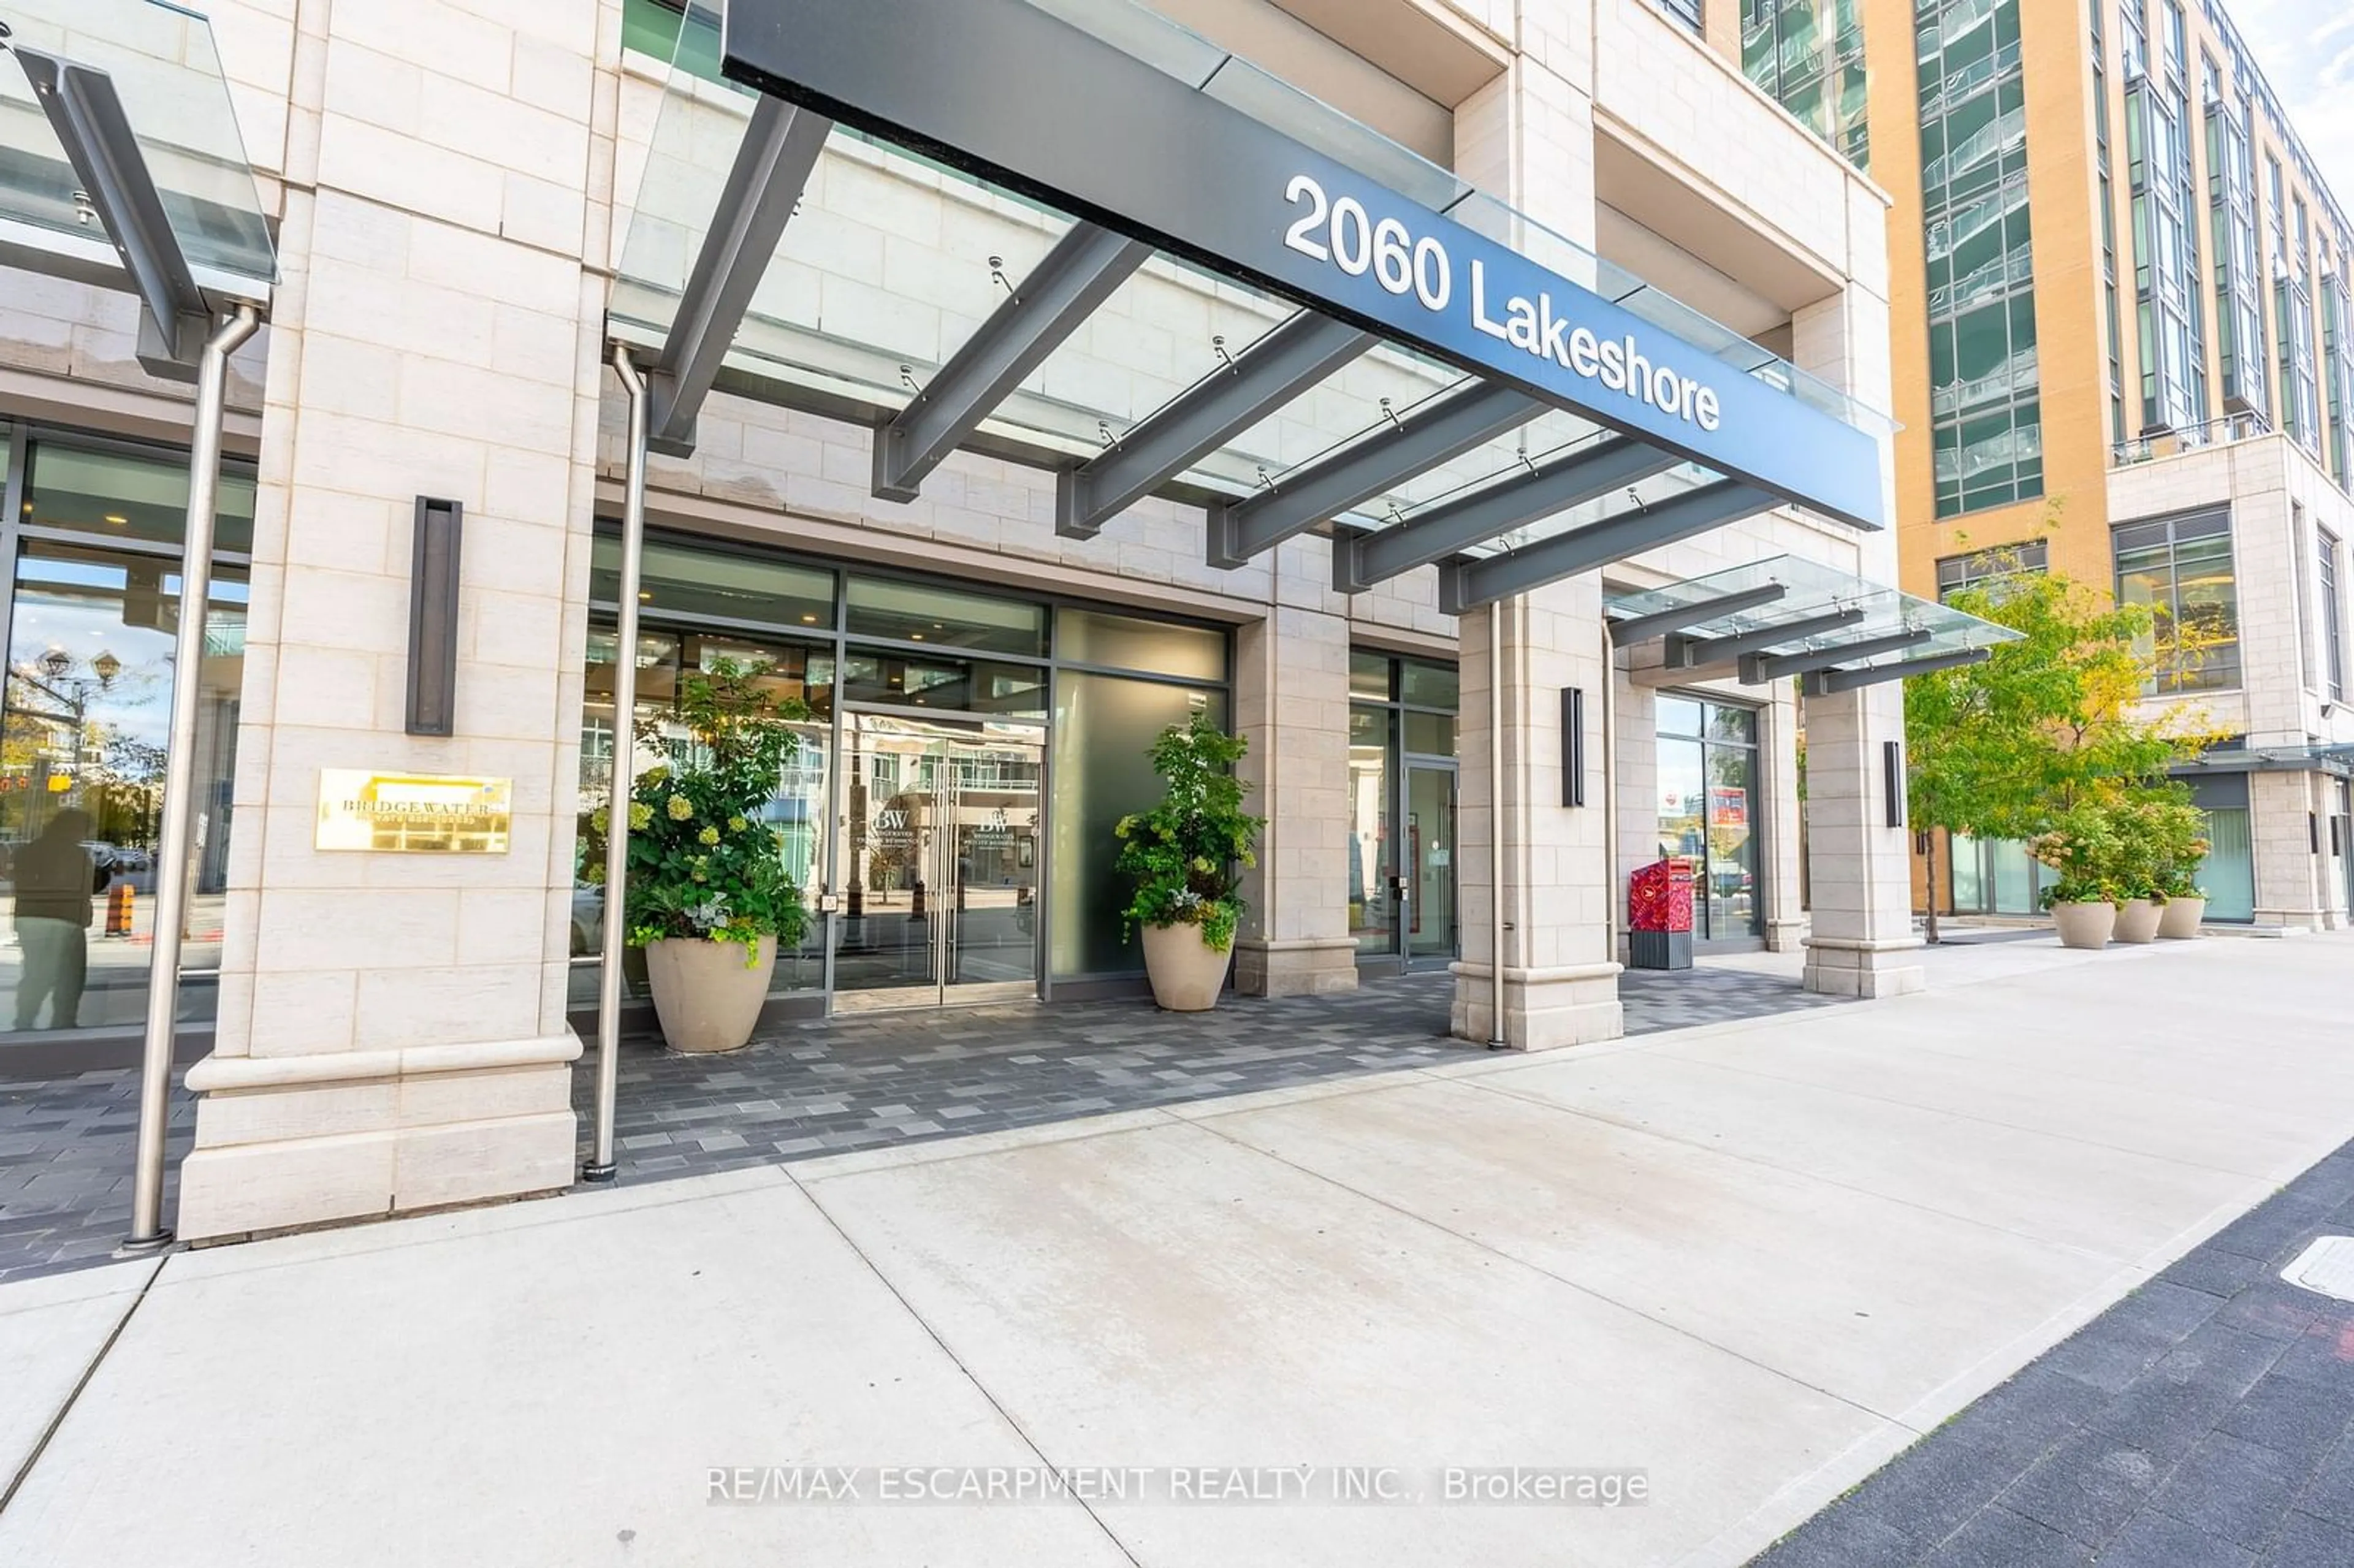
(1997, 1538)
(2305, 1542)
(2160, 1541)
(2295, 1416)
(2087, 1487)
(2233, 1488)
(1841, 1537)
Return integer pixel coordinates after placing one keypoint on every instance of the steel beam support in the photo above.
(1587, 474)
(772, 167)
(1757, 669)
(178, 836)
(1830, 682)
(603, 1165)
(1692, 653)
(1075, 278)
(1464, 584)
(1438, 431)
(87, 114)
(1639, 627)
(1300, 352)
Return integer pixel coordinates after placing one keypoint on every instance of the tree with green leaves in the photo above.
(2048, 724)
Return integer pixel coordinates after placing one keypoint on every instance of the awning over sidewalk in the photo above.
(1785, 616)
(121, 165)
(1071, 234)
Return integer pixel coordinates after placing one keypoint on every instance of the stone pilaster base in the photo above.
(1306, 965)
(288, 1141)
(1785, 936)
(2297, 919)
(1544, 1009)
(1840, 967)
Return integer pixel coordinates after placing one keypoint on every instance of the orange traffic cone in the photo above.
(118, 909)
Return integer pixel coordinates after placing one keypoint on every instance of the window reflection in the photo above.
(82, 748)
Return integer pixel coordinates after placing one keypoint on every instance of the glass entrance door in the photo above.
(1428, 854)
(939, 836)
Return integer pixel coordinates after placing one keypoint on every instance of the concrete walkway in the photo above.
(1750, 1262)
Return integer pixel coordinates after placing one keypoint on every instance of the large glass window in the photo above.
(2333, 616)
(1808, 57)
(91, 630)
(1708, 810)
(899, 611)
(1402, 806)
(1957, 574)
(2181, 568)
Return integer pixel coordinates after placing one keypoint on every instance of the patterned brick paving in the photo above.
(818, 1088)
(2203, 1422)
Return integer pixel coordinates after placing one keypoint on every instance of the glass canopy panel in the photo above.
(878, 280)
(167, 75)
(1812, 590)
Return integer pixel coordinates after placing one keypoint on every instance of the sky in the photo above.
(2307, 51)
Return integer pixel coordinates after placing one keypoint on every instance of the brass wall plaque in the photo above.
(413, 814)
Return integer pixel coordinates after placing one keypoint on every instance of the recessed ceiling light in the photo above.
(917, 635)
(644, 594)
(117, 518)
(808, 621)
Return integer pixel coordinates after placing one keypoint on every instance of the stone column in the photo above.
(391, 1031)
(1291, 703)
(1560, 981)
(1859, 868)
(2280, 822)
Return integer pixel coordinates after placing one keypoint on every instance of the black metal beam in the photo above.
(85, 112)
(1589, 472)
(1075, 276)
(1464, 584)
(1434, 432)
(1757, 669)
(1659, 622)
(1298, 353)
(1692, 653)
(772, 167)
(1830, 682)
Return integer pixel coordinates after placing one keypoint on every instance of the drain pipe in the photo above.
(1496, 1040)
(1609, 796)
(601, 1166)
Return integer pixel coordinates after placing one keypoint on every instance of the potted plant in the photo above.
(2135, 867)
(2180, 830)
(1184, 857)
(709, 898)
(2082, 847)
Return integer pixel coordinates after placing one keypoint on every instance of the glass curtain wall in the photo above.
(2229, 872)
(1984, 386)
(2166, 241)
(1092, 688)
(93, 528)
(1708, 811)
(1401, 806)
(1808, 55)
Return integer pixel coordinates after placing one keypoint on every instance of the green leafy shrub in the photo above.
(704, 865)
(2083, 848)
(1185, 854)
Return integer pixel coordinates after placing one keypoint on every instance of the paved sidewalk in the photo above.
(1752, 1262)
(2202, 1421)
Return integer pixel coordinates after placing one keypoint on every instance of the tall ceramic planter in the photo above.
(2179, 921)
(706, 997)
(1187, 973)
(2085, 925)
(2137, 920)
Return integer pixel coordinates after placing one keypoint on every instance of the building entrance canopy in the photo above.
(1787, 616)
(121, 165)
(1070, 233)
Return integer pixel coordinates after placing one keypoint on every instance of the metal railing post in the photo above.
(601, 1166)
(147, 1232)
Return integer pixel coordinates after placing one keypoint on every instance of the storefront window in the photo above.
(898, 612)
(1708, 810)
(677, 580)
(1124, 642)
(120, 495)
(1370, 908)
(86, 732)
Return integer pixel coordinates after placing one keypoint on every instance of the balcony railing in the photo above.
(2151, 445)
(2000, 276)
(2013, 376)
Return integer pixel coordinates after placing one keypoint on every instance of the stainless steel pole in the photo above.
(1609, 795)
(600, 1166)
(147, 1232)
(1497, 1039)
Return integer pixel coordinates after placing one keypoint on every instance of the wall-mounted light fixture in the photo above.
(1572, 746)
(1892, 765)
(433, 618)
